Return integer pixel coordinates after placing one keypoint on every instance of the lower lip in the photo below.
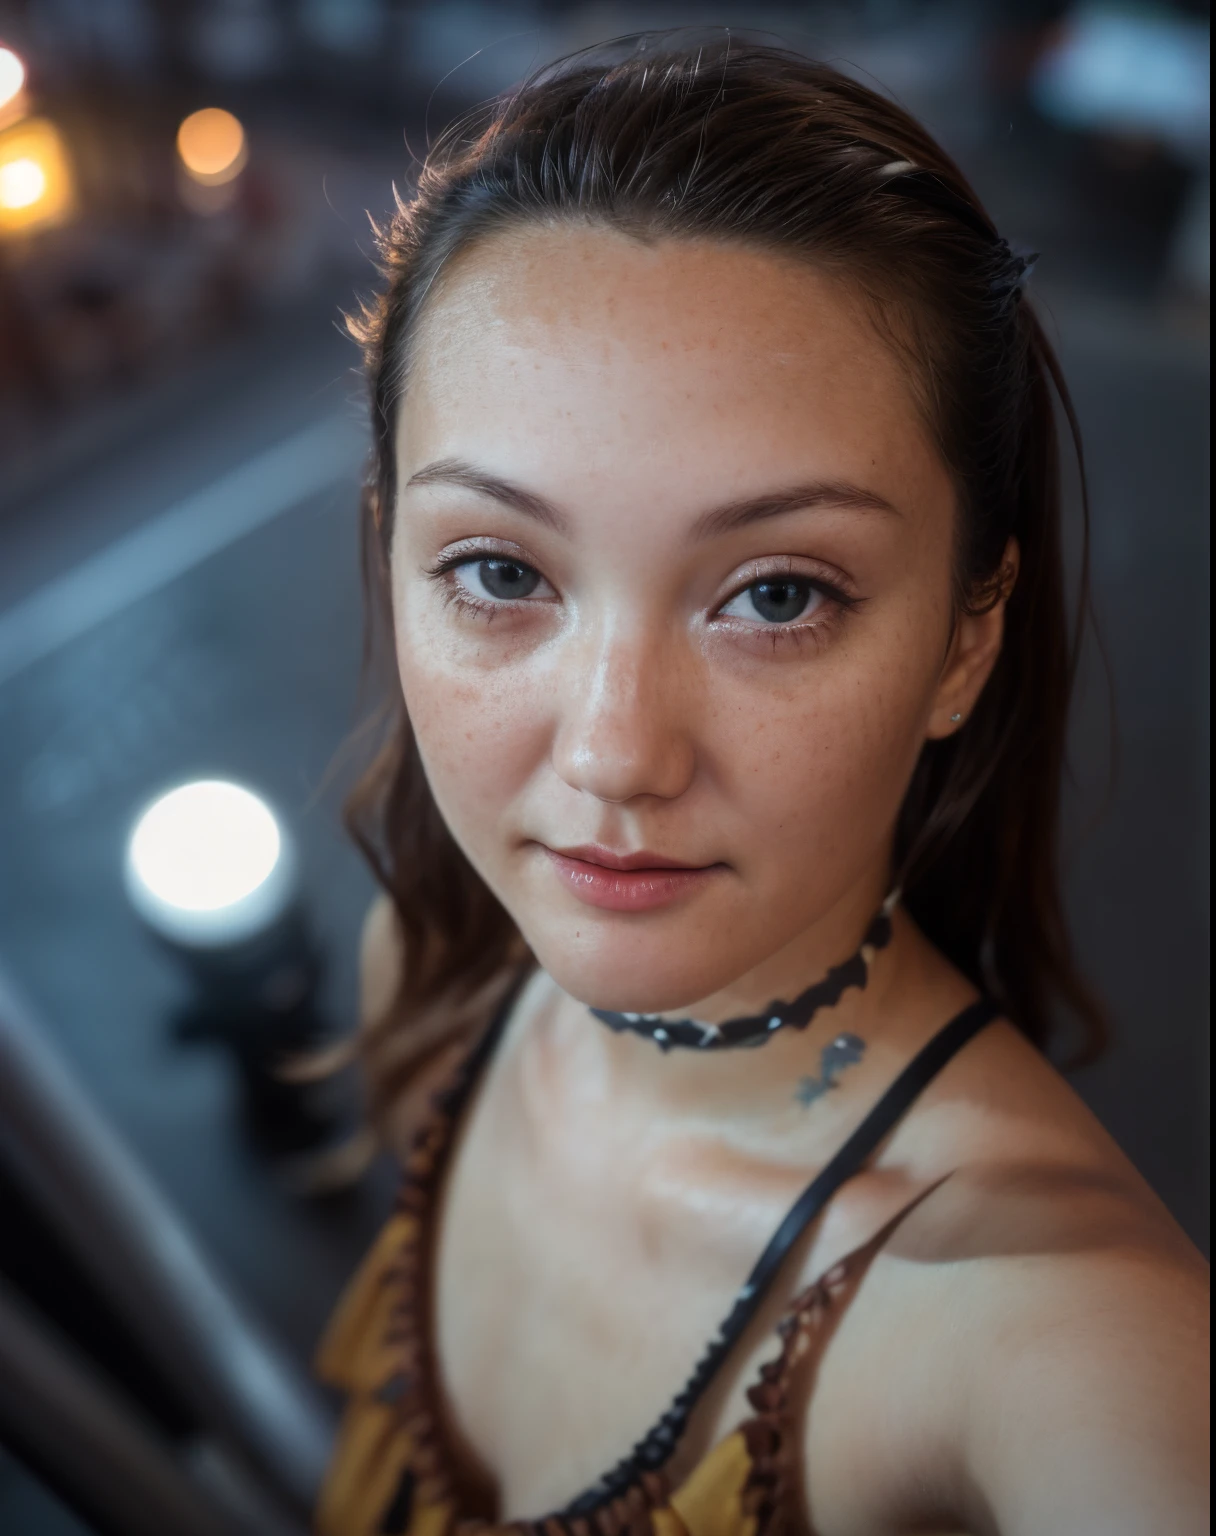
(627, 890)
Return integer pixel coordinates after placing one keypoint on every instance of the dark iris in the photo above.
(507, 578)
(780, 601)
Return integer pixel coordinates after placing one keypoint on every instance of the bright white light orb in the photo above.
(12, 76)
(205, 845)
(208, 865)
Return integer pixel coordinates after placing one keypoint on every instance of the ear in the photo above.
(974, 648)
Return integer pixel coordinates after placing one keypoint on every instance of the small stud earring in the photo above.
(955, 719)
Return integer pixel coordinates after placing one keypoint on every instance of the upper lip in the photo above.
(592, 853)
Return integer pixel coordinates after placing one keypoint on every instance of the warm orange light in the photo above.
(212, 147)
(12, 76)
(35, 177)
(22, 183)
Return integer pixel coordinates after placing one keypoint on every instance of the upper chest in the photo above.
(583, 1256)
(582, 1263)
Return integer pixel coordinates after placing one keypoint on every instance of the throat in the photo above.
(750, 1030)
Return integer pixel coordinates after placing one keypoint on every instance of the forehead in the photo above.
(559, 351)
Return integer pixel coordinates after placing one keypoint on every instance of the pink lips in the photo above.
(630, 882)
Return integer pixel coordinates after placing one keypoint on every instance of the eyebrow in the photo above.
(794, 498)
(470, 478)
(718, 520)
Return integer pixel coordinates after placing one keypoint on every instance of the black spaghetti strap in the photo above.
(653, 1449)
(889, 1110)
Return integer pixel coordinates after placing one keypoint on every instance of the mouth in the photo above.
(626, 882)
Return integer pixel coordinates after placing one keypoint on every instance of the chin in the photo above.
(632, 971)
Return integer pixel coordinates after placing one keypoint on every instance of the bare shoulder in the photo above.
(413, 1054)
(1041, 1320)
(413, 1047)
(380, 959)
(1030, 1170)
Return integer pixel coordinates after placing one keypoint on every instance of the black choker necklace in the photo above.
(758, 1027)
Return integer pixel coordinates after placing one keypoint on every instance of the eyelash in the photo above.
(456, 596)
(795, 633)
(798, 632)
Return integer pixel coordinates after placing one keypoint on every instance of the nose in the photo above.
(621, 728)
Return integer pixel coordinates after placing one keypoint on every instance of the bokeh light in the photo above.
(205, 845)
(22, 182)
(211, 146)
(12, 76)
(35, 178)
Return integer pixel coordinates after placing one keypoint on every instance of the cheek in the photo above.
(480, 728)
(820, 768)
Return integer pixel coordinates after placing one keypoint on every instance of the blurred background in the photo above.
(184, 191)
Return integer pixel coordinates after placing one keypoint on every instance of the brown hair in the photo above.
(759, 145)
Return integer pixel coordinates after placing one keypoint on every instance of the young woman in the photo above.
(716, 506)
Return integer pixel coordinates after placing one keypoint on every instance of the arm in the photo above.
(1088, 1406)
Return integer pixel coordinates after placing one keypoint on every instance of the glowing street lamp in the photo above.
(213, 873)
(209, 867)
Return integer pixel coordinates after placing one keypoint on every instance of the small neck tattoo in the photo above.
(843, 1052)
(755, 1029)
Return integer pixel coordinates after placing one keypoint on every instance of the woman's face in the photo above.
(672, 584)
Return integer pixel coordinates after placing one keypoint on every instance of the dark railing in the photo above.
(246, 1443)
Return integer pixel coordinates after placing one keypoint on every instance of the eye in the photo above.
(498, 579)
(775, 600)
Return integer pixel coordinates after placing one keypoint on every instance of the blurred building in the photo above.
(117, 261)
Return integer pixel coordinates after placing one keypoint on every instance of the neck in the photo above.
(731, 1081)
(798, 964)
